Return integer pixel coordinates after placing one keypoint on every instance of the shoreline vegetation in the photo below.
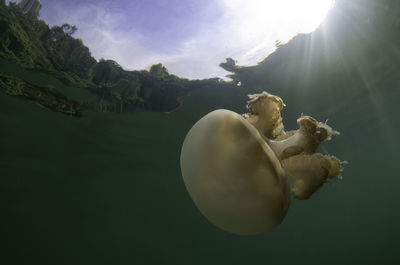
(27, 41)
(41, 95)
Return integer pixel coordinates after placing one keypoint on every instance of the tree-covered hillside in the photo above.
(29, 42)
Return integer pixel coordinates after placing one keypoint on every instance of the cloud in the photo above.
(190, 38)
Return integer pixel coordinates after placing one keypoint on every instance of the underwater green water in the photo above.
(107, 189)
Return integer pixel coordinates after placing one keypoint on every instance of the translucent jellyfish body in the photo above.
(240, 169)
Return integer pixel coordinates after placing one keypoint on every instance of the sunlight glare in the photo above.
(257, 24)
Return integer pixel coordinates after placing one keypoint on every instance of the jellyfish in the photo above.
(240, 170)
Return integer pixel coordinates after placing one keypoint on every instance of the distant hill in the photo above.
(348, 68)
(355, 43)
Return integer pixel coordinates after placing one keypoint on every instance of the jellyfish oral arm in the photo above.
(306, 170)
(304, 140)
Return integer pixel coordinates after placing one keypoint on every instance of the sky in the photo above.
(190, 37)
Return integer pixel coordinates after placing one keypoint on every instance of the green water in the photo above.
(107, 189)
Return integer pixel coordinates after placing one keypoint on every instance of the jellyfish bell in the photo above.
(240, 169)
(232, 175)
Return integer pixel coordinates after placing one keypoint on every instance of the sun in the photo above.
(255, 25)
(306, 15)
(294, 15)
